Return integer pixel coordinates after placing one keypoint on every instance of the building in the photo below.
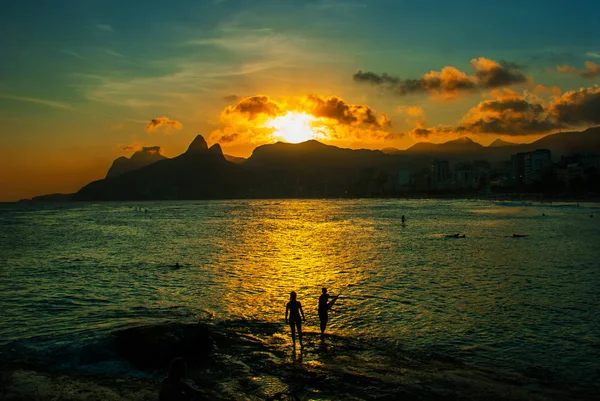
(440, 174)
(403, 178)
(529, 167)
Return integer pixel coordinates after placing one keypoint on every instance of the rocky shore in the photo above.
(251, 360)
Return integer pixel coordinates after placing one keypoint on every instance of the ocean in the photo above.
(73, 273)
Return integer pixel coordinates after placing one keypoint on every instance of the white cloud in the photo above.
(50, 103)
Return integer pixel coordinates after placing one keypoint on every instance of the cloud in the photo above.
(129, 148)
(450, 82)
(232, 98)
(105, 27)
(512, 113)
(254, 106)
(50, 103)
(113, 53)
(508, 114)
(552, 90)
(159, 122)
(336, 109)
(421, 132)
(414, 115)
(492, 74)
(577, 107)
(593, 54)
(330, 118)
(227, 138)
(591, 71)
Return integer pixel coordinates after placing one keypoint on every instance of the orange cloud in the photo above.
(493, 74)
(450, 82)
(415, 115)
(159, 122)
(335, 108)
(331, 118)
(577, 107)
(591, 71)
(552, 90)
(508, 114)
(252, 107)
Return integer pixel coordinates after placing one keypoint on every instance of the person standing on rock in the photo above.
(324, 305)
(293, 309)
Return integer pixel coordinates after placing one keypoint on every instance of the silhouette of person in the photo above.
(174, 387)
(324, 306)
(294, 309)
(403, 219)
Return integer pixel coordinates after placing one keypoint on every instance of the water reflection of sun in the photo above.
(294, 127)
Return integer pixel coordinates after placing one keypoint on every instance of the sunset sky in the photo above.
(83, 82)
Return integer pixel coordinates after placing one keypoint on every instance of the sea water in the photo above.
(72, 273)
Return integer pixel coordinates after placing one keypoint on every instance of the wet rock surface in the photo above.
(251, 360)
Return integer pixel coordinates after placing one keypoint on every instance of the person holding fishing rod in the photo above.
(326, 302)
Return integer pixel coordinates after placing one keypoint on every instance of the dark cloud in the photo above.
(232, 98)
(377, 79)
(227, 138)
(577, 107)
(254, 106)
(336, 109)
(449, 82)
(492, 74)
(508, 114)
(158, 122)
(421, 132)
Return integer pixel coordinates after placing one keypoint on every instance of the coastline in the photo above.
(250, 360)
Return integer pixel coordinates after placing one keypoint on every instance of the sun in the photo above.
(293, 127)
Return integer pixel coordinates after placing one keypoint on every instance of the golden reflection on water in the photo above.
(294, 248)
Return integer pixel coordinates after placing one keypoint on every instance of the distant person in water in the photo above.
(324, 305)
(293, 309)
(175, 387)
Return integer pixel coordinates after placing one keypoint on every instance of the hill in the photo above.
(139, 159)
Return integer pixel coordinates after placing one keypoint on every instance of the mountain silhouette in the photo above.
(307, 169)
(199, 173)
(499, 142)
(139, 159)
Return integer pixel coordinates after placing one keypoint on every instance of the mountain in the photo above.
(235, 159)
(199, 173)
(587, 141)
(308, 169)
(464, 145)
(50, 198)
(499, 143)
(139, 159)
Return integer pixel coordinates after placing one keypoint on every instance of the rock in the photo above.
(153, 347)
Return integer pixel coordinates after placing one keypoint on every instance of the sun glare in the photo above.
(293, 127)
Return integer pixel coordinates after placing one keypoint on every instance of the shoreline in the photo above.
(248, 360)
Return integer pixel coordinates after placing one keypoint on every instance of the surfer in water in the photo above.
(324, 305)
(293, 309)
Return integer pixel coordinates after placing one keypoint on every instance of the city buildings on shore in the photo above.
(523, 170)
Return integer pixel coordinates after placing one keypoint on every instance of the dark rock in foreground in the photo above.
(153, 347)
(250, 360)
